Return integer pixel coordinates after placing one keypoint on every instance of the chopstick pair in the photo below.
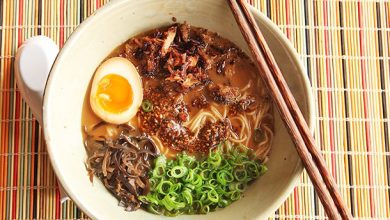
(312, 159)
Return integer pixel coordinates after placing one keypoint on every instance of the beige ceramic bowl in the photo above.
(110, 26)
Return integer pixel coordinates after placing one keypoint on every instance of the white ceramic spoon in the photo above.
(33, 62)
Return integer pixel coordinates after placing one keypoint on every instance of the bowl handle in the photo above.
(33, 62)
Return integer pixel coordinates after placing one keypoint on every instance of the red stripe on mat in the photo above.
(288, 31)
(16, 151)
(366, 124)
(296, 203)
(17, 122)
(98, 4)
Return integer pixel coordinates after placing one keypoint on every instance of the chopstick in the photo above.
(312, 159)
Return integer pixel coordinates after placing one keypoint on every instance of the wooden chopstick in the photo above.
(312, 159)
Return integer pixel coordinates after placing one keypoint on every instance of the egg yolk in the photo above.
(114, 93)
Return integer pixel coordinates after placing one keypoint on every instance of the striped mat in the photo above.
(344, 45)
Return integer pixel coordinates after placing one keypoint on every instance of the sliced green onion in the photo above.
(155, 209)
(212, 195)
(147, 105)
(235, 195)
(263, 169)
(215, 159)
(201, 195)
(170, 203)
(205, 209)
(164, 186)
(205, 165)
(238, 186)
(213, 182)
(197, 181)
(176, 187)
(242, 148)
(187, 161)
(148, 199)
(240, 174)
(189, 177)
(187, 195)
(159, 171)
(224, 177)
(190, 186)
(178, 171)
(197, 205)
(153, 182)
(223, 203)
(222, 190)
(160, 196)
(252, 168)
(205, 174)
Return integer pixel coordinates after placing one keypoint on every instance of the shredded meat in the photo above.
(223, 94)
(171, 33)
(200, 102)
(242, 105)
(185, 32)
(205, 61)
(180, 54)
(221, 66)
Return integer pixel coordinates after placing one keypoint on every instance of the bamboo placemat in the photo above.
(344, 46)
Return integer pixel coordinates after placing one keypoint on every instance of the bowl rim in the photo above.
(106, 9)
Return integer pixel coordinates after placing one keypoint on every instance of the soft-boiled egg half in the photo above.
(116, 92)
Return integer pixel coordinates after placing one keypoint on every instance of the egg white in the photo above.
(122, 67)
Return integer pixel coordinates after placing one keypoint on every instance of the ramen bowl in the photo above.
(108, 28)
